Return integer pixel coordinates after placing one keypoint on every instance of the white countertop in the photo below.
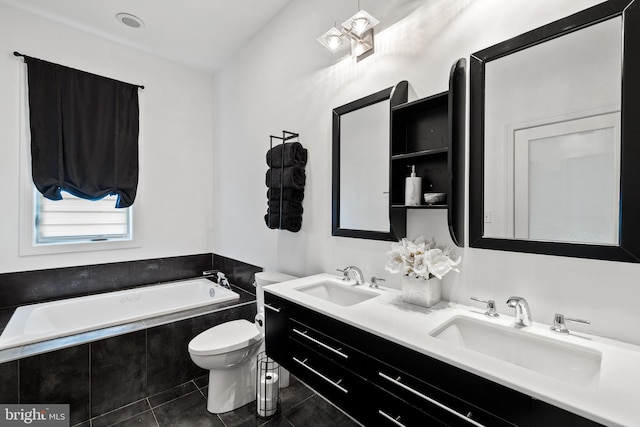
(611, 401)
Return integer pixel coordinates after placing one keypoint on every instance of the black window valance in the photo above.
(84, 133)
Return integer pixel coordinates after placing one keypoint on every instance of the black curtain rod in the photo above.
(22, 55)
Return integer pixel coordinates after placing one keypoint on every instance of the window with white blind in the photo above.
(78, 220)
(73, 224)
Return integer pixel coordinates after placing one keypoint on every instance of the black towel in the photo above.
(294, 155)
(289, 222)
(292, 177)
(293, 194)
(288, 207)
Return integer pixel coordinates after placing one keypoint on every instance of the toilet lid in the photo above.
(225, 337)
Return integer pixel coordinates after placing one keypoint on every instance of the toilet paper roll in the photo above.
(259, 321)
(269, 385)
(268, 389)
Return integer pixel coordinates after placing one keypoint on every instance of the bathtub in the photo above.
(45, 321)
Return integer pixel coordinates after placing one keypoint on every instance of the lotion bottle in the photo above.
(412, 189)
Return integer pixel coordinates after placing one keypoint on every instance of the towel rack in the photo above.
(287, 137)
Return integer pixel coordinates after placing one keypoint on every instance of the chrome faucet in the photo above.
(346, 274)
(222, 280)
(219, 277)
(209, 273)
(523, 313)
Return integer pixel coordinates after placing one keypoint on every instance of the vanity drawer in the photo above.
(332, 349)
(432, 400)
(388, 410)
(343, 388)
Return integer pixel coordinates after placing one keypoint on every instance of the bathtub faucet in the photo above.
(209, 273)
(222, 280)
(219, 277)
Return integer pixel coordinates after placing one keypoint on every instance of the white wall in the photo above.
(175, 186)
(284, 79)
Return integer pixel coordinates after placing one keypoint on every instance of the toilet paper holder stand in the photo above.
(267, 386)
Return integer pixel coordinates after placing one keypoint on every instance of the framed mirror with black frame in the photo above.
(552, 126)
(360, 167)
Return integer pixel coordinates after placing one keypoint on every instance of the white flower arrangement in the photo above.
(420, 258)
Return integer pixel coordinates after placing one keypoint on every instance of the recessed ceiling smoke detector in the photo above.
(130, 20)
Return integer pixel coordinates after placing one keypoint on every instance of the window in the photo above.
(78, 220)
(74, 224)
(71, 224)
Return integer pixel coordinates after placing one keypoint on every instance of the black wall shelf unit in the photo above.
(429, 133)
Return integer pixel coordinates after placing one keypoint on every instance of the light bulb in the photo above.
(333, 41)
(360, 24)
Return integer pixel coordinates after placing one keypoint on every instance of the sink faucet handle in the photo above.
(345, 273)
(375, 281)
(559, 323)
(491, 307)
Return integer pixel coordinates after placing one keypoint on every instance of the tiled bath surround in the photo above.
(27, 287)
(99, 376)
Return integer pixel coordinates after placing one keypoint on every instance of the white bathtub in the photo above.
(44, 321)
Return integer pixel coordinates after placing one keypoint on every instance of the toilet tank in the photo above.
(266, 278)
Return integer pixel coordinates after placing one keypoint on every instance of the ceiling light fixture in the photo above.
(130, 20)
(358, 30)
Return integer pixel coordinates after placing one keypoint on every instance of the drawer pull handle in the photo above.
(333, 383)
(270, 307)
(320, 343)
(396, 420)
(430, 400)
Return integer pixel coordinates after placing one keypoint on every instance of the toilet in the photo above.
(228, 352)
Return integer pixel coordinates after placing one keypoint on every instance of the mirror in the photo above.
(550, 170)
(361, 132)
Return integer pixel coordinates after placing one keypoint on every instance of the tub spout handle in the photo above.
(223, 281)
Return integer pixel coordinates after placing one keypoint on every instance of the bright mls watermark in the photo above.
(34, 415)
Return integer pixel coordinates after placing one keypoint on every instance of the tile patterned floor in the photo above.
(185, 406)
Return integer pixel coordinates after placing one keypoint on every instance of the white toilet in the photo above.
(228, 351)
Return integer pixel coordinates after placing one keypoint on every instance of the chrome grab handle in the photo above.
(390, 418)
(430, 400)
(320, 343)
(333, 383)
(270, 307)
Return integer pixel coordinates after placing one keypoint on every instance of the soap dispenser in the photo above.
(412, 189)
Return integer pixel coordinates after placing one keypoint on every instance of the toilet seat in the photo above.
(224, 338)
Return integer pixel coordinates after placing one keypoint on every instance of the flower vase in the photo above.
(421, 291)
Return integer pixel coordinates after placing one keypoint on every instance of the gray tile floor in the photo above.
(186, 406)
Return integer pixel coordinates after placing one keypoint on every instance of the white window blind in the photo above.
(73, 219)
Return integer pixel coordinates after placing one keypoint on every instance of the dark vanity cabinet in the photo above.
(381, 383)
(429, 133)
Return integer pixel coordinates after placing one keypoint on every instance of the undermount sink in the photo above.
(344, 295)
(561, 360)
